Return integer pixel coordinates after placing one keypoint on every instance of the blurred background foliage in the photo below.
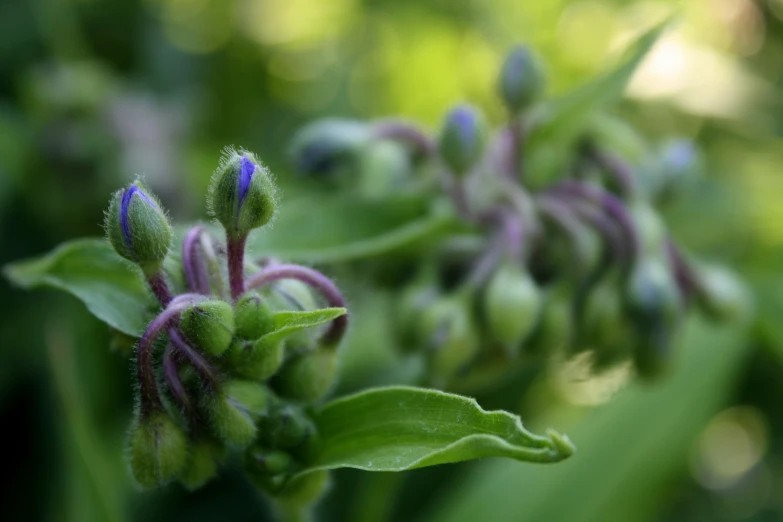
(94, 91)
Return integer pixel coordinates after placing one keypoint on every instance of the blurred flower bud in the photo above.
(601, 326)
(383, 166)
(202, 464)
(511, 305)
(158, 450)
(462, 138)
(242, 195)
(257, 360)
(521, 79)
(289, 427)
(449, 327)
(654, 304)
(252, 316)
(308, 376)
(721, 294)
(138, 228)
(325, 147)
(209, 325)
(234, 410)
(555, 325)
(650, 228)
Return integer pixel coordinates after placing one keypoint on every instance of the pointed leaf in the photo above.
(400, 428)
(90, 270)
(288, 322)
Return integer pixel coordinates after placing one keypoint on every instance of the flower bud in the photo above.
(327, 147)
(290, 294)
(512, 303)
(449, 327)
(288, 427)
(462, 138)
(267, 467)
(235, 409)
(555, 325)
(602, 328)
(408, 315)
(521, 79)
(202, 464)
(308, 376)
(654, 304)
(209, 325)
(257, 360)
(158, 450)
(649, 226)
(252, 316)
(721, 295)
(242, 195)
(137, 227)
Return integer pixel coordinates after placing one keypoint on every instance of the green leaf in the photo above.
(288, 322)
(401, 428)
(323, 229)
(630, 450)
(90, 270)
(562, 121)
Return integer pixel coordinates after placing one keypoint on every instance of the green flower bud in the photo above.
(289, 427)
(209, 325)
(602, 328)
(158, 450)
(252, 316)
(408, 315)
(521, 79)
(555, 325)
(654, 304)
(327, 147)
(649, 226)
(257, 360)
(137, 227)
(462, 138)
(242, 195)
(263, 464)
(512, 304)
(721, 295)
(290, 294)
(202, 464)
(449, 326)
(308, 376)
(235, 409)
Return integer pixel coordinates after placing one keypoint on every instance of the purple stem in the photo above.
(157, 282)
(516, 165)
(616, 167)
(405, 132)
(609, 203)
(171, 372)
(193, 263)
(235, 246)
(150, 399)
(684, 275)
(311, 278)
(194, 358)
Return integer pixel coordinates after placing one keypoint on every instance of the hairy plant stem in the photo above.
(235, 250)
(148, 386)
(171, 359)
(314, 279)
(193, 262)
(687, 280)
(159, 287)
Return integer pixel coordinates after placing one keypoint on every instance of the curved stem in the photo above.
(171, 373)
(610, 204)
(686, 278)
(150, 399)
(193, 263)
(405, 132)
(198, 362)
(311, 278)
(216, 282)
(615, 167)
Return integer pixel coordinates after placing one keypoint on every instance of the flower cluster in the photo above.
(562, 253)
(241, 361)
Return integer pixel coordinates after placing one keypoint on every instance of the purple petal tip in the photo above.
(246, 170)
(127, 198)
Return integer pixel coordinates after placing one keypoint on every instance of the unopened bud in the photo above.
(242, 195)
(209, 325)
(158, 450)
(235, 409)
(309, 376)
(462, 138)
(202, 464)
(252, 316)
(521, 79)
(257, 360)
(512, 304)
(449, 326)
(325, 147)
(721, 294)
(138, 228)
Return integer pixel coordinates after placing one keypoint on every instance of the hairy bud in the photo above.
(252, 316)
(235, 409)
(242, 195)
(512, 304)
(209, 325)
(158, 449)
(138, 228)
(258, 360)
(462, 138)
(202, 464)
(521, 79)
(309, 376)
